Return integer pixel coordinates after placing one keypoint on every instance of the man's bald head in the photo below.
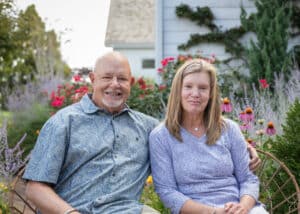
(111, 59)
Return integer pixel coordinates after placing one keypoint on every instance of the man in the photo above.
(92, 156)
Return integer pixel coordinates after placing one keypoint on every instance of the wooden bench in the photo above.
(279, 190)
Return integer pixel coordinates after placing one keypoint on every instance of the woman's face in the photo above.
(195, 92)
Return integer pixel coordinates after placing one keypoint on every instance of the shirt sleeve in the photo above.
(163, 173)
(248, 182)
(48, 154)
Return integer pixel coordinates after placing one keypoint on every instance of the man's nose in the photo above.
(115, 81)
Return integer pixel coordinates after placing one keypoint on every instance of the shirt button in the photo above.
(113, 174)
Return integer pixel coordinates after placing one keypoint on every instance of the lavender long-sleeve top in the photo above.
(209, 174)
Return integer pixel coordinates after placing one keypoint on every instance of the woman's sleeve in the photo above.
(248, 182)
(163, 173)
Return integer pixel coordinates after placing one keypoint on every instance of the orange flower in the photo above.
(226, 100)
(249, 110)
(149, 180)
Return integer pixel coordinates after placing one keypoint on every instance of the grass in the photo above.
(5, 115)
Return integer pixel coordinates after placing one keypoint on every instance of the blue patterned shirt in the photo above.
(209, 174)
(96, 161)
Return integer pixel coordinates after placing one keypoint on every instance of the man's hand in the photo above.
(254, 159)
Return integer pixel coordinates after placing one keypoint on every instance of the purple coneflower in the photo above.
(226, 105)
(270, 129)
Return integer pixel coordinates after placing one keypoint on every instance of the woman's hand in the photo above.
(235, 208)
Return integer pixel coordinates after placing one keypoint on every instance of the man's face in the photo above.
(111, 84)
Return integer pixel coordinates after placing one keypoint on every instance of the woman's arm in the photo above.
(192, 207)
(248, 182)
(45, 199)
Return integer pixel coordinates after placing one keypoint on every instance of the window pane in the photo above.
(148, 63)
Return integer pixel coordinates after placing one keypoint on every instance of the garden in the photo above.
(264, 101)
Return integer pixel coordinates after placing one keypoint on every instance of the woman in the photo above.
(199, 160)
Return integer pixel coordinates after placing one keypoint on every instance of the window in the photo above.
(148, 63)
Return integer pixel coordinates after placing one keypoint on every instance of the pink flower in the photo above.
(162, 87)
(263, 83)
(142, 83)
(247, 115)
(160, 70)
(242, 116)
(270, 129)
(77, 78)
(132, 81)
(251, 142)
(166, 60)
(226, 105)
(57, 101)
(181, 58)
(245, 126)
(82, 90)
(143, 86)
(52, 96)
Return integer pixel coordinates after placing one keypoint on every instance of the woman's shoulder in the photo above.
(160, 129)
(229, 123)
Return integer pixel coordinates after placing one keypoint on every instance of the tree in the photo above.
(27, 50)
(7, 46)
(269, 54)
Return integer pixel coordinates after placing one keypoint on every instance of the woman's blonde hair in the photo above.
(212, 118)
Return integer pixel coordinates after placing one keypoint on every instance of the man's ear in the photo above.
(92, 76)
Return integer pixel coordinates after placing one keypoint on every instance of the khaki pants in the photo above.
(149, 210)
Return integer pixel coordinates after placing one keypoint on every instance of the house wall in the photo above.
(172, 31)
(175, 31)
(135, 57)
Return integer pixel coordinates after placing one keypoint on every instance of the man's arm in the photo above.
(45, 199)
(254, 159)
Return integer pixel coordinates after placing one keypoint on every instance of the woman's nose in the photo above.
(195, 93)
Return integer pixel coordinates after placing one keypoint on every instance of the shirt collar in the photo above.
(89, 106)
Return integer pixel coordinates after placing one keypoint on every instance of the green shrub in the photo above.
(147, 97)
(29, 121)
(150, 198)
(287, 146)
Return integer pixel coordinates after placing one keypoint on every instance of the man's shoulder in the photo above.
(144, 117)
(66, 112)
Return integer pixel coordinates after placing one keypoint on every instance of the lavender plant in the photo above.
(11, 159)
(24, 96)
(269, 106)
